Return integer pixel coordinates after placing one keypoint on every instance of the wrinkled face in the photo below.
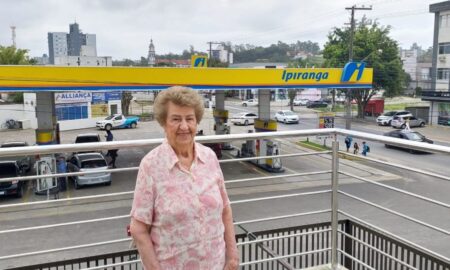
(181, 125)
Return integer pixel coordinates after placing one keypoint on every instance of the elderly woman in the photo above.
(181, 216)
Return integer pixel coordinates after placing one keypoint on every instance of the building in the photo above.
(57, 45)
(75, 48)
(222, 54)
(439, 94)
(419, 72)
(151, 54)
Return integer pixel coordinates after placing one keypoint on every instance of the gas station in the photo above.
(46, 80)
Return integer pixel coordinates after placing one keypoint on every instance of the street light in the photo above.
(348, 105)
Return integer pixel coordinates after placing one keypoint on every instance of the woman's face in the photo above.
(181, 125)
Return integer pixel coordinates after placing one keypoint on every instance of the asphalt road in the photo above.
(28, 241)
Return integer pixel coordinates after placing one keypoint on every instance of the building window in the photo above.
(444, 21)
(71, 111)
(443, 73)
(444, 48)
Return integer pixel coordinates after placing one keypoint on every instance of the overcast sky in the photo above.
(124, 27)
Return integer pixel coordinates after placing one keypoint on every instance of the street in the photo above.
(115, 229)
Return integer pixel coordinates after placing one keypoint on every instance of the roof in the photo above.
(438, 7)
(88, 156)
(87, 135)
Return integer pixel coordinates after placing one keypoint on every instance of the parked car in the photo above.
(407, 135)
(400, 122)
(250, 102)
(118, 121)
(10, 169)
(88, 138)
(24, 162)
(86, 162)
(244, 118)
(386, 118)
(316, 104)
(300, 102)
(286, 116)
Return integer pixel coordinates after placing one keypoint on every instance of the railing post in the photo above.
(334, 204)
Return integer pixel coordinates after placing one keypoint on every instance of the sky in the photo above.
(124, 27)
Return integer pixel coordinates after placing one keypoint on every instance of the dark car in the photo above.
(316, 104)
(24, 162)
(10, 169)
(407, 135)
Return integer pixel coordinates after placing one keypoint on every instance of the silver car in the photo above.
(286, 116)
(386, 118)
(400, 122)
(89, 162)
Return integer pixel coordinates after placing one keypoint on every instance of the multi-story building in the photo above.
(151, 54)
(75, 49)
(222, 54)
(419, 72)
(439, 94)
(57, 45)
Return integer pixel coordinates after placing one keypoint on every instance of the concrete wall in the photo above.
(11, 111)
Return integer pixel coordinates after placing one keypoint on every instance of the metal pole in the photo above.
(334, 204)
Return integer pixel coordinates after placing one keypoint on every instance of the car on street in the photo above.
(88, 138)
(88, 162)
(400, 122)
(244, 118)
(316, 104)
(300, 102)
(249, 102)
(24, 162)
(10, 169)
(118, 121)
(386, 118)
(286, 116)
(407, 135)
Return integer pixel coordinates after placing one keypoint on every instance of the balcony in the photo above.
(436, 95)
(344, 239)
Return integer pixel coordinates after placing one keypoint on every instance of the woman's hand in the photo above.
(232, 260)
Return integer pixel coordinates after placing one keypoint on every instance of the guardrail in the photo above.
(333, 252)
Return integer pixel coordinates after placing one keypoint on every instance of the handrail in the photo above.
(62, 148)
(31, 150)
(280, 237)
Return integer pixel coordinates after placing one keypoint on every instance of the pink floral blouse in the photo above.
(184, 208)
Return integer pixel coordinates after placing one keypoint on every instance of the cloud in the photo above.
(124, 28)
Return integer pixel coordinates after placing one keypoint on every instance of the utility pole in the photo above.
(348, 114)
(210, 47)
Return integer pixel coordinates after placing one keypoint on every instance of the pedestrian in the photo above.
(348, 142)
(112, 153)
(355, 148)
(365, 149)
(181, 216)
(109, 136)
(407, 127)
(61, 167)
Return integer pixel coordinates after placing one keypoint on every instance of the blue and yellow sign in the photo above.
(57, 78)
(199, 61)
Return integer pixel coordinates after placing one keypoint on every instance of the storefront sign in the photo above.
(98, 98)
(73, 97)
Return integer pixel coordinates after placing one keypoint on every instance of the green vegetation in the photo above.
(372, 43)
(313, 146)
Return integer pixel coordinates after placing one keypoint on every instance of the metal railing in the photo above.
(334, 248)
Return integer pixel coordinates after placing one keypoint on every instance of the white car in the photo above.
(286, 116)
(250, 102)
(400, 122)
(386, 118)
(300, 102)
(88, 162)
(245, 118)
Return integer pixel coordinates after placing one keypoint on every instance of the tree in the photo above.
(372, 43)
(126, 101)
(292, 93)
(13, 56)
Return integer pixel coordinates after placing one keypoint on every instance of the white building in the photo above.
(86, 61)
(439, 96)
(76, 110)
(222, 54)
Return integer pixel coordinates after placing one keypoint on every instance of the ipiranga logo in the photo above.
(349, 71)
(305, 75)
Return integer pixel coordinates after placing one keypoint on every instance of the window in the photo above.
(444, 48)
(443, 73)
(71, 111)
(444, 21)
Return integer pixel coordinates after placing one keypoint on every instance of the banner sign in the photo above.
(53, 78)
(98, 98)
(73, 97)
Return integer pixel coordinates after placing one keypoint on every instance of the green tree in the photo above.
(292, 93)
(13, 56)
(126, 101)
(372, 43)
